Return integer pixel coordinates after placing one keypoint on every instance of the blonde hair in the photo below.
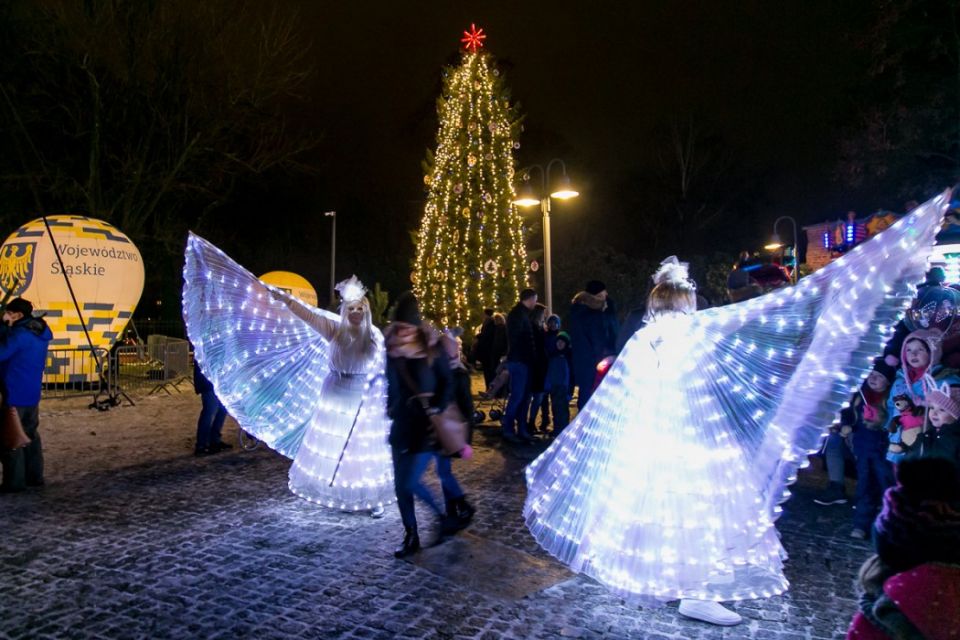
(674, 291)
(357, 339)
(669, 298)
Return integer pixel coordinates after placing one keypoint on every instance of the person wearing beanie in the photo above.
(589, 328)
(23, 357)
(419, 385)
(919, 356)
(557, 381)
(863, 421)
(941, 439)
(911, 587)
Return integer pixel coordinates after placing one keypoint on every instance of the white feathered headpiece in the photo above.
(674, 272)
(351, 290)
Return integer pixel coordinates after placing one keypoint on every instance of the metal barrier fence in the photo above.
(162, 365)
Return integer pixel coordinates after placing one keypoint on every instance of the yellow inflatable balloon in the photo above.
(295, 285)
(105, 270)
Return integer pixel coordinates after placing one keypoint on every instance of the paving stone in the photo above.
(135, 538)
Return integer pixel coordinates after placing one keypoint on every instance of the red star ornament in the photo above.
(473, 39)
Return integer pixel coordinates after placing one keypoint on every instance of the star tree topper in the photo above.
(473, 39)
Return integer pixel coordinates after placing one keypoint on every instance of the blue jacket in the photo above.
(23, 357)
(558, 372)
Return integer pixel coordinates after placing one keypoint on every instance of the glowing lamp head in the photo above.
(774, 243)
(526, 198)
(565, 190)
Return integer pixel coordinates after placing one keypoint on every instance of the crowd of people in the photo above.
(538, 364)
(363, 414)
(907, 408)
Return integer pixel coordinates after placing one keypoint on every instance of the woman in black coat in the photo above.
(419, 385)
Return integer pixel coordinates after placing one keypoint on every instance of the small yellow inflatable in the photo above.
(291, 283)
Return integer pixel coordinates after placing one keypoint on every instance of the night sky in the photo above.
(594, 81)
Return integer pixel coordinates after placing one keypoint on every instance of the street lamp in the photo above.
(333, 250)
(775, 244)
(527, 198)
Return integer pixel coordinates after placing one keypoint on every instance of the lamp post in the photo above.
(527, 198)
(333, 250)
(776, 244)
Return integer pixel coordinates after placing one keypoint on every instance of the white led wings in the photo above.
(667, 483)
(266, 364)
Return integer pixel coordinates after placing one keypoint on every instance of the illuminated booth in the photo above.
(105, 270)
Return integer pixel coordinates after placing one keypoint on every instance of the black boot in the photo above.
(465, 510)
(411, 544)
(459, 515)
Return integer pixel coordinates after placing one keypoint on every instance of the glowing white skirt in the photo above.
(342, 461)
(668, 483)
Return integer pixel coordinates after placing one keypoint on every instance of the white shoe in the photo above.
(377, 511)
(709, 611)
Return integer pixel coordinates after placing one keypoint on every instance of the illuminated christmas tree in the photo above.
(470, 251)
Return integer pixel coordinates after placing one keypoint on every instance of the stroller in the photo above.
(493, 401)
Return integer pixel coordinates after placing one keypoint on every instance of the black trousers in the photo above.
(24, 466)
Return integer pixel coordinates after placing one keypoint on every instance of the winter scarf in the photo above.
(589, 300)
(411, 341)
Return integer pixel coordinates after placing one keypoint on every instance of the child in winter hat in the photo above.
(942, 437)
(919, 356)
(917, 540)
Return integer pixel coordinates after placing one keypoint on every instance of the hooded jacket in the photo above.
(588, 327)
(23, 357)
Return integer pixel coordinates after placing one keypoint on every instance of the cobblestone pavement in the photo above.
(133, 537)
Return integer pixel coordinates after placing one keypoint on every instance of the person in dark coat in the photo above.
(419, 385)
(520, 356)
(500, 342)
(539, 400)
(589, 329)
(212, 416)
(557, 380)
(23, 357)
(483, 347)
(863, 422)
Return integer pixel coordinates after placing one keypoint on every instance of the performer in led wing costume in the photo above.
(307, 382)
(666, 485)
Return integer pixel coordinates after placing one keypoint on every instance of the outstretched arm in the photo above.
(323, 322)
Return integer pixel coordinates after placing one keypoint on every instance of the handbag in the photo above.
(450, 429)
(12, 435)
(449, 426)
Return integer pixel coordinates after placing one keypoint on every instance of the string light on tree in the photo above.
(469, 221)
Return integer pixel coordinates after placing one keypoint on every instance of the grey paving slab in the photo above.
(135, 538)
